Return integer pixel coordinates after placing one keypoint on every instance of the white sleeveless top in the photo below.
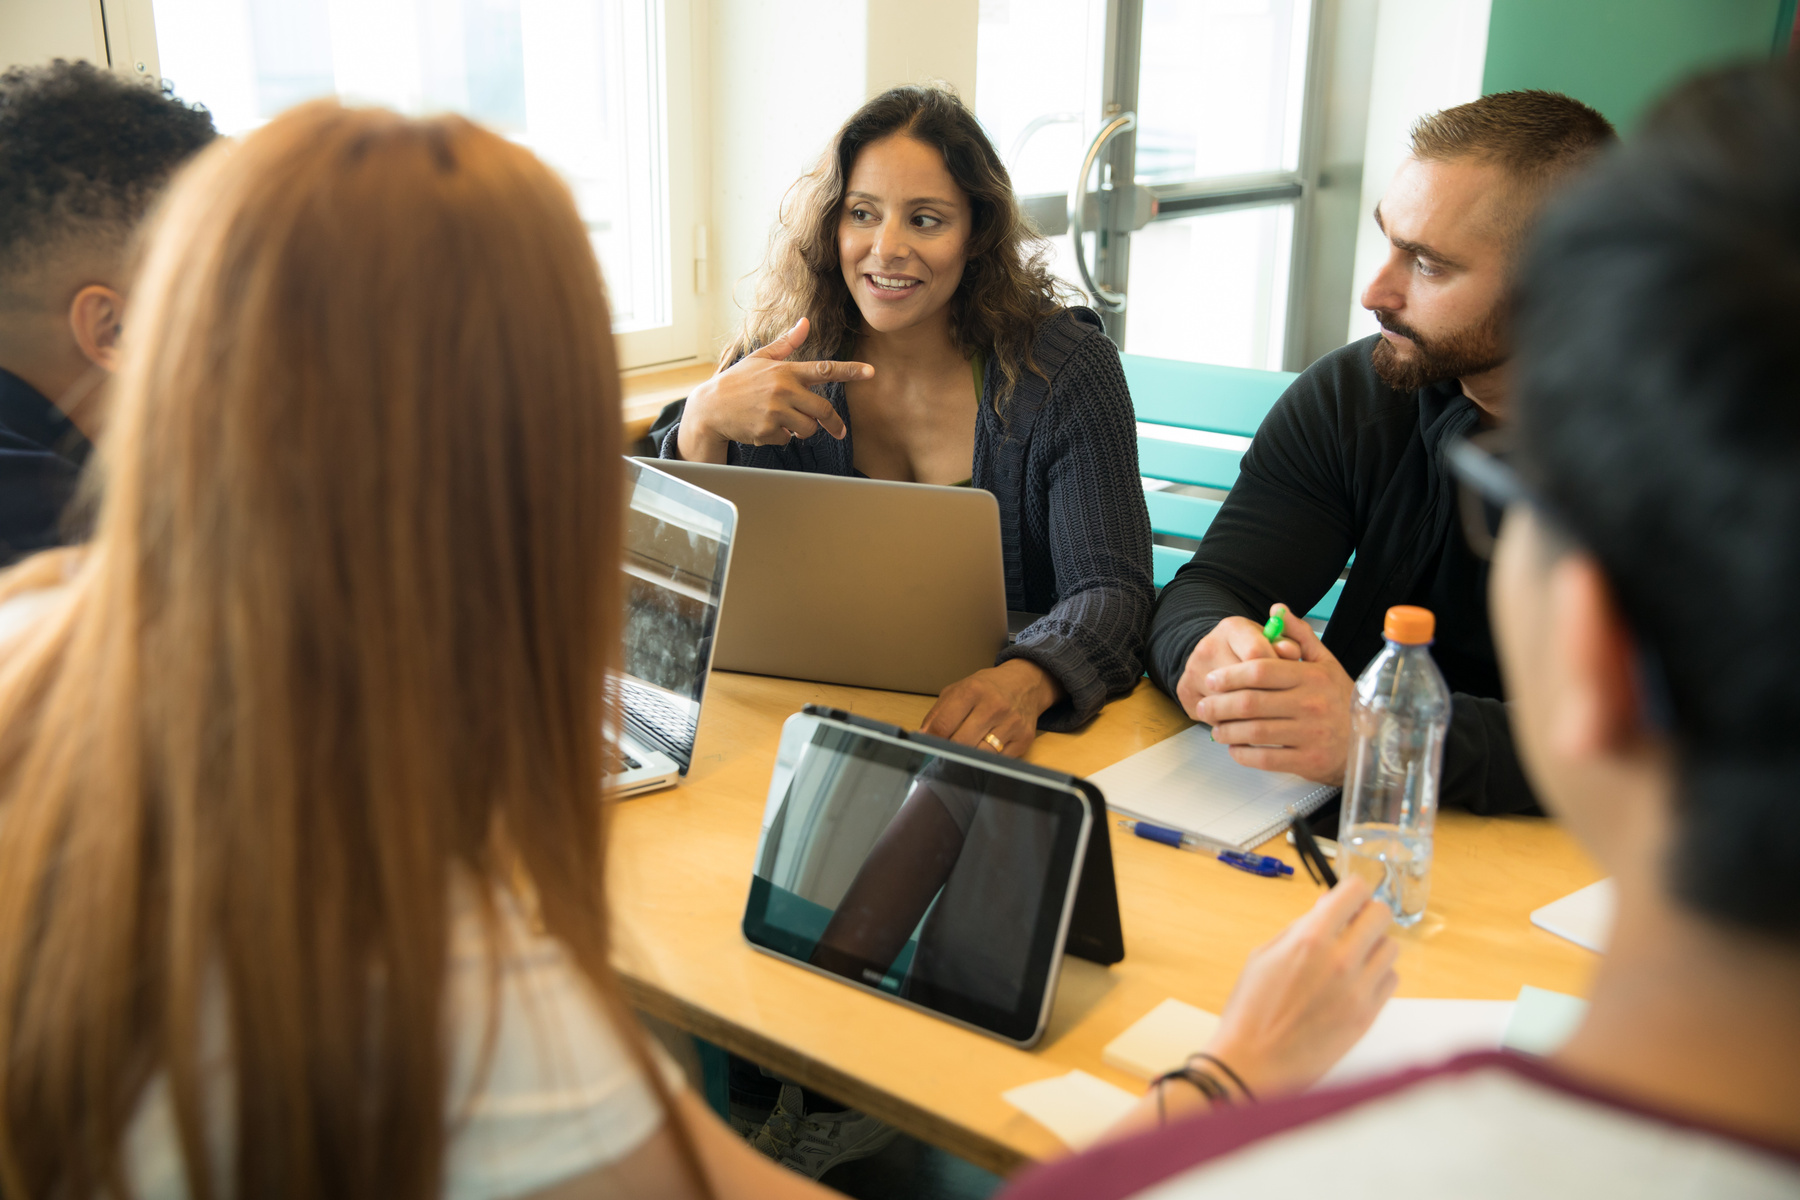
(561, 1095)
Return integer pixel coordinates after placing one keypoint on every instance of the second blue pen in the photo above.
(1255, 864)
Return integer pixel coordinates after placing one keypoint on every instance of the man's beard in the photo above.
(1471, 350)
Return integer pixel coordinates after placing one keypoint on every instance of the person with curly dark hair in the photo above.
(83, 154)
(906, 327)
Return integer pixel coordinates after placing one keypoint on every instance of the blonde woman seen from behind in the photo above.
(303, 846)
(330, 677)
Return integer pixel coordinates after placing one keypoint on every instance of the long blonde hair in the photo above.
(344, 630)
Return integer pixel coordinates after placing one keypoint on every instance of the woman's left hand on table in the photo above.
(996, 709)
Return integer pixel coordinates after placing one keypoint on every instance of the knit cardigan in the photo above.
(1061, 460)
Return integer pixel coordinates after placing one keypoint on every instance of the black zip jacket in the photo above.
(41, 456)
(1343, 463)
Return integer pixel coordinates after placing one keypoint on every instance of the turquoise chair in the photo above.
(1213, 399)
(1202, 396)
(1184, 462)
(1181, 516)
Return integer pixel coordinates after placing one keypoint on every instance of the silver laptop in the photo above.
(678, 542)
(865, 582)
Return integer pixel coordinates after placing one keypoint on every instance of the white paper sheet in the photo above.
(1191, 783)
(1076, 1107)
(1583, 917)
(1543, 1020)
(1415, 1033)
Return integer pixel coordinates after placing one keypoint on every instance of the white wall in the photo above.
(1429, 55)
(32, 32)
(782, 76)
(922, 41)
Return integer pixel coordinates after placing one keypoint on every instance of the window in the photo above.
(1219, 91)
(584, 84)
(1212, 288)
(1220, 88)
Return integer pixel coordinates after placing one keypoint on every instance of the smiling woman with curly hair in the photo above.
(906, 301)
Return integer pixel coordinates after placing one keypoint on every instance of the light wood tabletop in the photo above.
(679, 871)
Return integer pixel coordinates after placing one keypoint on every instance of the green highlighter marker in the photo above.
(1273, 629)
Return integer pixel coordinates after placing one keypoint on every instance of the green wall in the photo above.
(1619, 55)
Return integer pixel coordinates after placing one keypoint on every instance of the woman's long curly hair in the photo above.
(1007, 291)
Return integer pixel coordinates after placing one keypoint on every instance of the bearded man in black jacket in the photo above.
(1351, 461)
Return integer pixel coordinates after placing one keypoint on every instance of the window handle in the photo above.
(1104, 298)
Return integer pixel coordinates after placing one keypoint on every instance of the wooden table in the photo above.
(679, 870)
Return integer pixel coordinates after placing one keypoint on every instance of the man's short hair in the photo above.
(1536, 137)
(83, 152)
(1659, 416)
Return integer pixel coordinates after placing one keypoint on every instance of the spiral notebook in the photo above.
(1191, 783)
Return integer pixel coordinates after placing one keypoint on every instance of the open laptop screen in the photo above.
(677, 550)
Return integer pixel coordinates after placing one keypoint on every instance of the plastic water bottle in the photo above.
(1398, 721)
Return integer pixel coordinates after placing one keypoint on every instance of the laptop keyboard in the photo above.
(666, 714)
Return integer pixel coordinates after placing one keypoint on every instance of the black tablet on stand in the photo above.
(942, 877)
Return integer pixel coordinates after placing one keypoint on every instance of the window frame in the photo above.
(1206, 196)
(130, 30)
(678, 341)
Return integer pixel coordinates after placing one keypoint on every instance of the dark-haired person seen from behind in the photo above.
(1646, 555)
(906, 287)
(1351, 460)
(83, 153)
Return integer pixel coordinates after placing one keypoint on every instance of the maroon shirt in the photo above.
(1490, 1124)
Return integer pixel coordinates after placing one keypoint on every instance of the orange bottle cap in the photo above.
(1409, 625)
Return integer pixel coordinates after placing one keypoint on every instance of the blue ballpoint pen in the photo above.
(1231, 856)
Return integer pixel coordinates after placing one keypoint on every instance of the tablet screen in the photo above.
(941, 882)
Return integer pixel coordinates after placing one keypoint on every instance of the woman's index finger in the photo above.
(826, 370)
